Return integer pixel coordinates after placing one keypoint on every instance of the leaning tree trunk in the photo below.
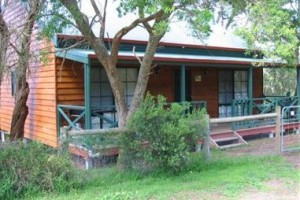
(20, 113)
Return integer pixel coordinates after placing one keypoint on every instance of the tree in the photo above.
(279, 81)
(273, 28)
(16, 53)
(4, 34)
(155, 17)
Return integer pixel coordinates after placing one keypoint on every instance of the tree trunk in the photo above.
(20, 113)
(23, 52)
(118, 91)
(145, 70)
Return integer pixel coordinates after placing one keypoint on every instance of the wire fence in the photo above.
(290, 129)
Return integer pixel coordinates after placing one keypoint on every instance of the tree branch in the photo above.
(125, 30)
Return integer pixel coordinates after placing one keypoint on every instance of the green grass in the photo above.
(225, 176)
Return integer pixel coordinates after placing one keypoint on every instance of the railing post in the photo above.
(87, 95)
(63, 139)
(58, 122)
(250, 89)
(277, 129)
(182, 83)
(207, 139)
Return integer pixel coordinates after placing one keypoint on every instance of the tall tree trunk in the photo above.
(144, 73)
(20, 113)
(23, 51)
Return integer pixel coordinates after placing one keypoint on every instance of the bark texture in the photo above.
(19, 114)
(23, 51)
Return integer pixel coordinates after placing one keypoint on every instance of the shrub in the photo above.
(160, 137)
(34, 168)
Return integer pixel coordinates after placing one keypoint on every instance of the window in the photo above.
(102, 96)
(101, 92)
(232, 85)
(129, 79)
(13, 81)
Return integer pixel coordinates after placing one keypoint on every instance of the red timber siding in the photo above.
(206, 89)
(162, 83)
(258, 83)
(41, 121)
(70, 82)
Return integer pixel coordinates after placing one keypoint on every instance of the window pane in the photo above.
(106, 101)
(222, 98)
(95, 74)
(131, 74)
(228, 98)
(130, 88)
(244, 76)
(122, 72)
(95, 90)
(237, 76)
(105, 89)
(222, 87)
(229, 87)
(95, 102)
(228, 75)
(103, 76)
(244, 95)
(128, 100)
(237, 86)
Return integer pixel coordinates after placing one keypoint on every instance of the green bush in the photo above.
(34, 168)
(161, 137)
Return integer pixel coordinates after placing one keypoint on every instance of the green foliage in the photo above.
(279, 81)
(161, 137)
(273, 28)
(53, 19)
(34, 168)
(197, 15)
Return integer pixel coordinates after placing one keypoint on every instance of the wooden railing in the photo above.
(244, 107)
(73, 116)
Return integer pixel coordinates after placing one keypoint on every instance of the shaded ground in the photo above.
(269, 146)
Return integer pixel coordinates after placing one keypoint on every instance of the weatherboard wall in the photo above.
(41, 121)
(70, 82)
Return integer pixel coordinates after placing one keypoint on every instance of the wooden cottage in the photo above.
(73, 88)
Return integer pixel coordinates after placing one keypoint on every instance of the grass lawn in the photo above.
(221, 178)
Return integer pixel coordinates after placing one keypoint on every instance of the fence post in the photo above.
(64, 138)
(207, 139)
(277, 130)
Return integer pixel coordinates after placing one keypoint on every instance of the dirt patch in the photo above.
(269, 146)
(275, 190)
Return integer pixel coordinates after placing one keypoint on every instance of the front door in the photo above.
(233, 84)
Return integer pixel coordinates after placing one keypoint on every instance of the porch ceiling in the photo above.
(87, 55)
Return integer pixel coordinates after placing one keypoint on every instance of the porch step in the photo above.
(231, 145)
(227, 140)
